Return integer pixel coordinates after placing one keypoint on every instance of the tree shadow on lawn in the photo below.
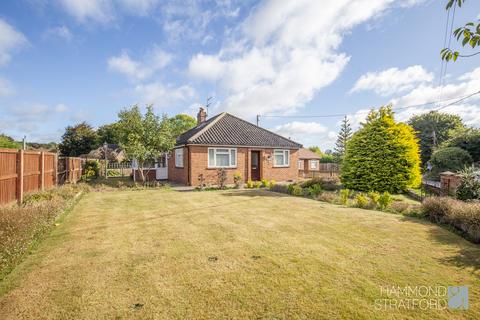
(468, 254)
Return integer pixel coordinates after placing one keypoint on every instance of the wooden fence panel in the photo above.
(49, 170)
(29, 171)
(8, 175)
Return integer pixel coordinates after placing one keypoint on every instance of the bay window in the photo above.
(281, 158)
(222, 157)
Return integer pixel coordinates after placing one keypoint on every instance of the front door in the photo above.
(161, 168)
(255, 166)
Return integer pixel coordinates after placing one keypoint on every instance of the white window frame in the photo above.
(286, 158)
(316, 162)
(232, 164)
(300, 164)
(179, 158)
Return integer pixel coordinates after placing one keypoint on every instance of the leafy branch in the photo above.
(470, 33)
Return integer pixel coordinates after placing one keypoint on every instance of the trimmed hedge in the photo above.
(463, 216)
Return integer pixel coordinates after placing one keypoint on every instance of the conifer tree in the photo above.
(343, 136)
(382, 155)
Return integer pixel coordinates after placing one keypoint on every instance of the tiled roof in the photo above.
(227, 130)
(307, 154)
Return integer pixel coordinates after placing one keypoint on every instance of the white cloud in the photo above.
(468, 110)
(60, 32)
(10, 39)
(163, 96)
(61, 108)
(154, 60)
(139, 7)
(104, 11)
(284, 52)
(306, 133)
(393, 80)
(89, 10)
(6, 88)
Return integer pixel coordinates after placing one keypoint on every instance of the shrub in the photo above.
(385, 200)
(463, 216)
(345, 194)
(311, 182)
(272, 184)
(469, 188)
(257, 184)
(382, 155)
(264, 183)
(361, 200)
(91, 169)
(249, 184)
(314, 190)
(237, 179)
(295, 190)
(221, 178)
(331, 184)
(374, 197)
(449, 159)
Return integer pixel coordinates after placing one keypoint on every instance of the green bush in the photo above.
(345, 194)
(374, 198)
(385, 200)
(250, 184)
(264, 183)
(328, 197)
(311, 182)
(469, 188)
(272, 184)
(315, 190)
(237, 179)
(295, 190)
(463, 216)
(382, 155)
(449, 159)
(257, 184)
(361, 201)
(91, 169)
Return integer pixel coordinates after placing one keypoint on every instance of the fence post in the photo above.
(42, 170)
(55, 168)
(67, 170)
(20, 176)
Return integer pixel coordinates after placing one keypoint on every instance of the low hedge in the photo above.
(463, 216)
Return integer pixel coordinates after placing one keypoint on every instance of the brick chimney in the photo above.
(201, 116)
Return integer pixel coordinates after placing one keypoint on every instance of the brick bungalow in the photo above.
(225, 141)
(308, 160)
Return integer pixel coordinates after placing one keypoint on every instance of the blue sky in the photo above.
(66, 61)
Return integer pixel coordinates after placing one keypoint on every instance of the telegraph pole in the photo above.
(258, 119)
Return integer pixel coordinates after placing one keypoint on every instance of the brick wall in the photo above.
(179, 175)
(199, 165)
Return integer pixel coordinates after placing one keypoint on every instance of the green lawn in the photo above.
(234, 254)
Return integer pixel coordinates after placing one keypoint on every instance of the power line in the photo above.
(460, 99)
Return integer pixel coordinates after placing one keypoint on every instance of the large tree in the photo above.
(144, 137)
(432, 129)
(316, 149)
(78, 139)
(343, 136)
(382, 155)
(109, 133)
(467, 139)
(181, 123)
